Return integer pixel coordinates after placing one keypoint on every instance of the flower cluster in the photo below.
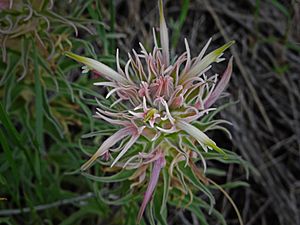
(163, 98)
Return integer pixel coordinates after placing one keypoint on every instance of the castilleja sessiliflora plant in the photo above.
(162, 99)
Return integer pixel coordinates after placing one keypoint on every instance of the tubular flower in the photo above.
(161, 99)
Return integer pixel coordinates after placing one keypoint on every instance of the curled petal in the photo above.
(152, 120)
(109, 73)
(127, 70)
(145, 108)
(113, 121)
(220, 86)
(178, 158)
(137, 114)
(144, 51)
(167, 131)
(109, 142)
(109, 113)
(128, 145)
(200, 56)
(168, 114)
(147, 155)
(140, 173)
(188, 60)
(106, 84)
(196, 154)
(120, 71)
(197, 78)
(131, 159)
(113, 91)
(154, 38)
(197, 114)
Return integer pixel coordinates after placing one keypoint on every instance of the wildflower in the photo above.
(163, 97)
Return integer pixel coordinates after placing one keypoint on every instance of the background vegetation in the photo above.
(47, 105)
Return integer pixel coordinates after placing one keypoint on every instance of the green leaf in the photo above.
(95, 13)
(3, 181)
(11, 130)
(12, 63)
(9, 155)
(178, 25)
(234, 184)
(232, 157)
(188, 173)
(39, 109)
(99, 133)
(167, 181)
(158, 204)
(25, 45)
(195, 206)
(121, 176)
(150, 213)
(121, 201)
